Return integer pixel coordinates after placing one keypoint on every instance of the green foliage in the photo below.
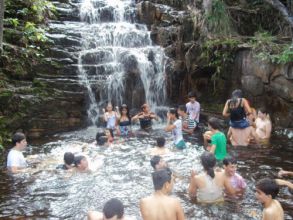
(218, 19)
(267, 47)
(219, 54)
(11, 21)
(32, 34)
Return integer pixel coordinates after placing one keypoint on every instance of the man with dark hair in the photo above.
(113, 210)
(233, 179)
(193, 108)
(15, 158)
(266, 191)
(158, 163)
(68, 161)
(188, 124)
(160, 205)
(160, 149)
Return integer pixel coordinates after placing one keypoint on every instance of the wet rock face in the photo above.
(267, 85)
(178, 27)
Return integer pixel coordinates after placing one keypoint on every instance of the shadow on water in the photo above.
(125, 174)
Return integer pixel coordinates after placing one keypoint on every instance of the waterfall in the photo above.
(118, 61)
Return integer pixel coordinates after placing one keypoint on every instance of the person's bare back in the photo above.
(161, 207)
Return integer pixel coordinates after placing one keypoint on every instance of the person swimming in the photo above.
(81, 164)
(160, 149)
(158, 163)
(68, 161)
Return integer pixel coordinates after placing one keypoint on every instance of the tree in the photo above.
(1, 24)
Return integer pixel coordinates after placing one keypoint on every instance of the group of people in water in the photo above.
(219, 178)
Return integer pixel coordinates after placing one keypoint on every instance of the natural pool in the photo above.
(125, 174)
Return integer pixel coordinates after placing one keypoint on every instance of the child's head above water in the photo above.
(68, 158)
(112, 208)
(230, 166)
(161, 141)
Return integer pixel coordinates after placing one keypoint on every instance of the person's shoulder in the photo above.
(94, 215)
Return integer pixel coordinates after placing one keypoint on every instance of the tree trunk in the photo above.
(282, 9)
(1, 24)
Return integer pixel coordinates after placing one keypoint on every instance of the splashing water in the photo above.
(118, 62)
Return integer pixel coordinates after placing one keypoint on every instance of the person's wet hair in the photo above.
(155, 160)
(113, 207)
(182, 108)
(268, 186)
(111, 131)
(161, 141)
(98, 135)
(214, 123)
(102, 140)
(229, 160)
(192, 95)
(17, 137)
(68, 158)
(236, 94)
(160, 177)
(173, 111)
(208, 162)
(78, 159)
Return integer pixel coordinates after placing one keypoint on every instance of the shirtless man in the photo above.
(266, 191)
(160, 149)
(242, 136)
(233, 179)
(263, 125)
(15, 159)
(113, 210)
(160, 206)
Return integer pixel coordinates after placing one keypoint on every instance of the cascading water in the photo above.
(118, 57)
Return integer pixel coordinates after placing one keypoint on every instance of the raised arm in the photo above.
(226, 109)
(284, 183)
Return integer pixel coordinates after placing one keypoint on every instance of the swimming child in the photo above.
(158, 163)
(160, 149)
(81, 164)
(68, 161)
